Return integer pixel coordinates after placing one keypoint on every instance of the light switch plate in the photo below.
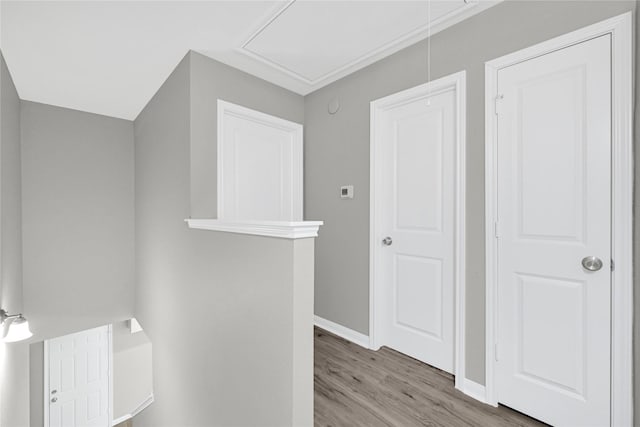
(346, 192)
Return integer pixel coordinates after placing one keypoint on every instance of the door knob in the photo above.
(387, 241)
(592, 263)
(54, 400)
(54, 391)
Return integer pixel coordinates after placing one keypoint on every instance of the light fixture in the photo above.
(17, 327)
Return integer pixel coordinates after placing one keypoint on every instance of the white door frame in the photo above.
(457, 82)
(620, 28)
(47, 396)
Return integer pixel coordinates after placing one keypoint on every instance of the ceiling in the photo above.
(110, 57)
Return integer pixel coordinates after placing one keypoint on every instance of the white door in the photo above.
(416, 195)
(78, 386)
(554, 204)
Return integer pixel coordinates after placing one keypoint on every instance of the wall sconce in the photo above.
(17, 327)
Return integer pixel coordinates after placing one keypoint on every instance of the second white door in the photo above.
(554, 235)
(416, 218)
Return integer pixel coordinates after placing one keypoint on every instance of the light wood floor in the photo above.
(359, 387)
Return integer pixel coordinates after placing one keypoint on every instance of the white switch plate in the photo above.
(346, 192)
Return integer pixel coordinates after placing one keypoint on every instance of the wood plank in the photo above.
(359, 387)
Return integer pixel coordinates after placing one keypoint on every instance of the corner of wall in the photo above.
(202, 138)
(14, 358)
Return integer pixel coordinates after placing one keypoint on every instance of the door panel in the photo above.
(79, 379)
(418, 190)
(419, 279)
(418, 168)
(542, 125)
(554, 204)
(551, 316)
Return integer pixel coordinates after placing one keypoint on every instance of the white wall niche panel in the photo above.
(260, 160)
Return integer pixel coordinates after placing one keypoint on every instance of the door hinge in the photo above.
(613, 265)
(495, 351)
(498, 102)
(496, 230)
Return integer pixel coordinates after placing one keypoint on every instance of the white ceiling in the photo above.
(110, 57)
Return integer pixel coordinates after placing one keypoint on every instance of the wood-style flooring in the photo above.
(359, 387)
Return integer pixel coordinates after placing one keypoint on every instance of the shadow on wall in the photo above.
(132, 373)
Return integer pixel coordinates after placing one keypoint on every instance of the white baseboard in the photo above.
(143, 406)
(121, 419)
(473, 390)
(342, 331)
(148, 401)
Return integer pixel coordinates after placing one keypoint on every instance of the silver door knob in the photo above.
(592, 263)
(387, 241)
(54, 391)
(54, 400)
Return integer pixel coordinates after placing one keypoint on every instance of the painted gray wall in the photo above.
(210, 81)
(218, 307)
(14, 358)
(78, 219)
(78, 189)
(337, 150)
(303, 336)
(36, 384)
(132, 372)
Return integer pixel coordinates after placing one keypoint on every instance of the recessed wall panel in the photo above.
(261, 170)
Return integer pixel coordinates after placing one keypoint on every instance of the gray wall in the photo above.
(14, 358)
(78, 219)
(337, 150)
(132, 373)
(218, 307)
(210, 81)
(302, 333)
(36, 384)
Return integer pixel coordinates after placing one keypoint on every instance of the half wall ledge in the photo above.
(279, 229)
